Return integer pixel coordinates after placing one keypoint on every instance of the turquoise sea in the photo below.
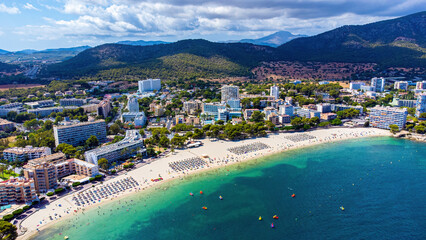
(380, 182)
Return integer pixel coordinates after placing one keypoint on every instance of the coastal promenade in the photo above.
(215, 153)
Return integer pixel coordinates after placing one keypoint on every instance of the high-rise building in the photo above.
(43, 173)
(287, 109)
(77, 134)
(275, 92)
(191, 106)
(378, 84)
(120, 150)
(421, 104)
(17, 190)
(18, 154)
(421, 85)
(104, 107)
(149, 85)
(46, 171)
(401, 85)
(382, 117)
(229, 92)
(133, 104)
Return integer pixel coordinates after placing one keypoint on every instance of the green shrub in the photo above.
(18, 212)
(99, 176)
(75, 184)
(49, 194)
(113, 171)
(92, 179)
(26, 207)
(8, 217)
(36, 202)
(58, 190)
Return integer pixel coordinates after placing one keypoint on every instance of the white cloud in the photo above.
(10, 10)
(148, 19)
(29, 6)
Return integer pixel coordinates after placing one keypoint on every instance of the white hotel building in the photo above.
(149, 85)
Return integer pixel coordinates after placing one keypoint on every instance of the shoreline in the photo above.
(219, 155)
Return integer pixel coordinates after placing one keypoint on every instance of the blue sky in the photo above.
(41, 24)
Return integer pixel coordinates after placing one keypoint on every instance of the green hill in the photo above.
(397, 42)
(187, 58)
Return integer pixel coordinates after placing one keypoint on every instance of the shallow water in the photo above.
(380, 182)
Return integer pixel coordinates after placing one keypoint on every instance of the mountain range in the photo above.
(399, 42)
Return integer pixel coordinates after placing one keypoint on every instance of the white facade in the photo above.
(401, 85)
(22, 154)
(149, 85)
(421, 85)
(356, 85)
(229, 92)
(381, 117)
(275, 92)
(77, 134)
(287, 109)
(133, 105)
(421, 104)
(120, 150)
(378, 84)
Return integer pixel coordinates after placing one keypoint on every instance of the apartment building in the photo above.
(421, 104)
(72, 102)
(275, 92)
(401, 85)
(378, 84)
(18, 154)
(76, 134)
(46, 171)
(132, 143)
(17, 190)
(229, 92)
(6, 125)
(382, 117)
(104, 107)
(149, 85)
(12, 107)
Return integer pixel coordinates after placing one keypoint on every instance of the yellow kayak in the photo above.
(260, 218)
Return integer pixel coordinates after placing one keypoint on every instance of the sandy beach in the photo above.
(214, 152)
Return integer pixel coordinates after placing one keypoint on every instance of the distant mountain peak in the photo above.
(141, 43)
(273, 40)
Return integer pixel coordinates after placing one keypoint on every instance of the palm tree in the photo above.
(2, 168)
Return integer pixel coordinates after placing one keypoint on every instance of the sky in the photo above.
(42, 24)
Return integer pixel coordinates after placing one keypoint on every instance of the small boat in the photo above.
(191, 194)
(272, 225)
(342, 208)
(205, 208)
(220, 197)
(293, 195)
(260, 218)
(275, 217)
(201, 192)
(66, 237)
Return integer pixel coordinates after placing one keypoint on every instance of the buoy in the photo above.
(220, 197)
(201, 192)
(191, 194)
(275, 217)
(342, 208)
(205, 208)
(272, 225)
(260, 218)
(293, 195)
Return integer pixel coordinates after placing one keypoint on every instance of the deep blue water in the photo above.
(380, 182)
